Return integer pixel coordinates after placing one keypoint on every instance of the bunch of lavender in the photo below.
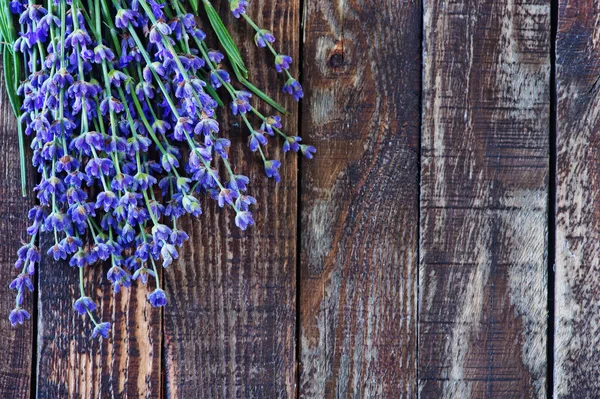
(123, 131)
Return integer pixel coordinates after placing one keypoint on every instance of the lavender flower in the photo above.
(243, 219)
(102, 330)
(83, 305)
(271, 169)
(157, 298)
(282, 62)
(18, 316)
(293, 88)
(241, 104)
(238, 7)
(262, 37)
(307, 150)
(105, 131)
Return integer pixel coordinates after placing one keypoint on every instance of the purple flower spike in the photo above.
(241, 104)
(293, 88)
(168, 253)
(83, 304)
(18, 316)
(262, 37)
(215, 56)
(206, 126)
(282, 62)
(58, 252)
(161, 232)
(271, 122)
(238, 7)
(169, 162)
(102, 330)
(191, 205)
(183, 125)
(101, 52)
(215, 75)
(107, 200)
(124, 134)
(16, 7)
(143, 180)
(118, 277)
(78, 37)
(226, 196)
(244, 201)
(307, 150)
(257, 139)
(271, 169)
(178, 237)
(142, 274)
(126, 17)
(157, 298)
(243, 219)
(22, 280)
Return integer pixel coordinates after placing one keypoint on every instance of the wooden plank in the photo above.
(16, 343)
(71, 363)
(484, 176)
(577, 291)
(359, 229)
(230, 323)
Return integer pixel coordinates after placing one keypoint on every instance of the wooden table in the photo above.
(445, 241)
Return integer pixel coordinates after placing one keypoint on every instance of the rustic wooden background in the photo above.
(444, 243)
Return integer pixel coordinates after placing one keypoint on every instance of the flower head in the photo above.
(18, 316)
(271, 169)
(307, 150)
(125, 146)
(293, 88)
(243, 219)
(262, 37)
(270, 123)
(238, 7)
(157, 298)
(282, 62)
(101, 329)
(84, 304)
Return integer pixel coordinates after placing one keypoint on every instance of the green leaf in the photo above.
(194, 4)
(7, 29)
(11, 80)
(242, 79)
(237, 72)
(263, 96)
(11, 66)
(225, 39)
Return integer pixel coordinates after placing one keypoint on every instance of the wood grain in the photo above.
(230, 323)
(17, 343)
(577, 288)
(484, 179)
(359, 229)
(73, 365)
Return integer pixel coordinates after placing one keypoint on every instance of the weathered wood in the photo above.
(230, 322)
(359, 229)
(16, 343)
(484, 176)
(577, 288)
(72, 364)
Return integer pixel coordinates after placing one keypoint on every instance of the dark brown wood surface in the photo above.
(230, 325)
(70, 363)
(577, 288)
(359, 204)
(16, 344)
(484, 195)
(424, 264)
